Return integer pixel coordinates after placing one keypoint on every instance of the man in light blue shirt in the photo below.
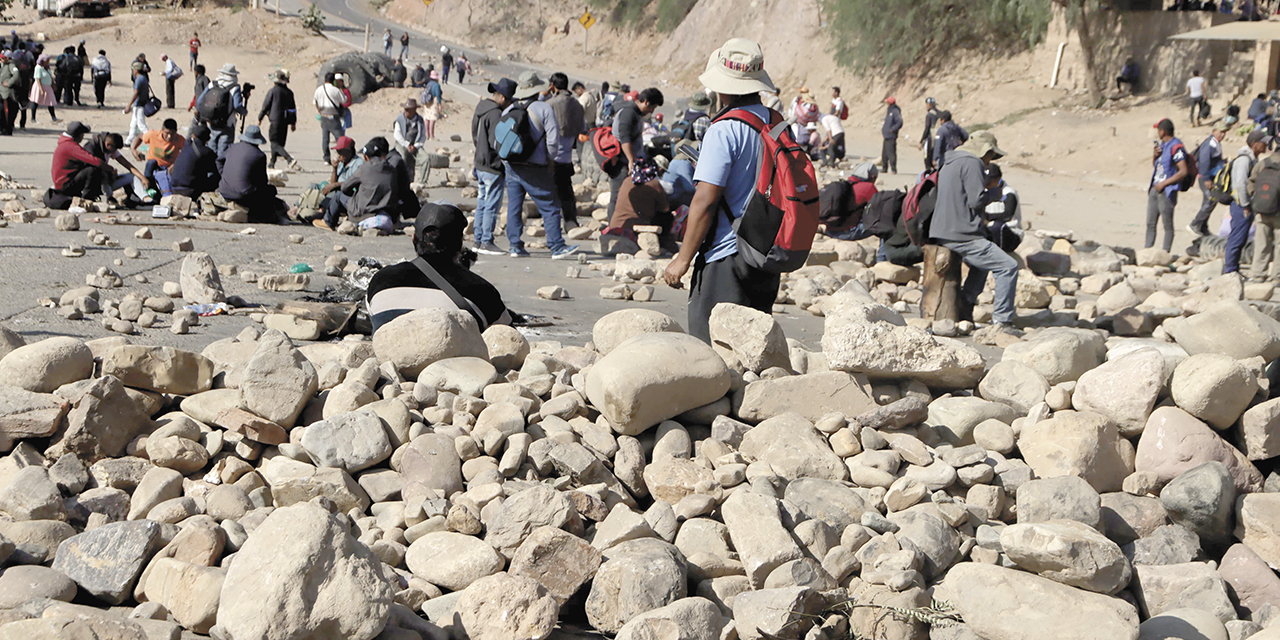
(726, 173)
(534, 175)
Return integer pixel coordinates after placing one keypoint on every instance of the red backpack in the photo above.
(608, 149)
(917, 208)
(776, 230)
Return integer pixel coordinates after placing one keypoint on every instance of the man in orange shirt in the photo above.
(163, 147)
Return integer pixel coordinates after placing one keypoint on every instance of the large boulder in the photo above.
(1174, 441)
(430, 463)
(873, 340)
(1014, 384)
(1007, 604)
(794, 448)
(835, 503)
(418, 338)
(190, 592)
(1258, 525)
(1231, 328)
(1203, 501)
(301, 576)
(504, 606)
(46, 365)
(352, 441)
(199, 279)
(103, 419)
(1260, 430)
(107, 561)
(616, 328)
(954, 418)
(162, 369)
(1080, 444)
(654, 377)
(1059, 354)
(750, 337)
(756, 528)
(522, 513)
(1213, 387)
(452, 560)
(690, 618)
(637, 576)
(1195, 585)
(25, 414)
(1252, 582)
(277, 381)
(812, 395)
(1124, 390)
(1069, 552)
(560, 561)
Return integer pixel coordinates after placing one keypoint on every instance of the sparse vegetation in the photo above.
(313, 20)
(672, 12)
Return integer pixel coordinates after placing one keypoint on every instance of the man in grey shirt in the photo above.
(1241, 198)
(958, 225)
(628, 128)
(534, 176)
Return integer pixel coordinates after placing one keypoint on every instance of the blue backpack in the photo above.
(513, 135)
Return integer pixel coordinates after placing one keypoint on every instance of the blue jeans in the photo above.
(538, 182)
(220, 140)
(487, 201)
(984, 257)
(1240, 224)
(330, 127)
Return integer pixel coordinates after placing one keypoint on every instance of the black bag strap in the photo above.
(458, 299)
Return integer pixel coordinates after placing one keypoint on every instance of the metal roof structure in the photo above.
(1264, 31)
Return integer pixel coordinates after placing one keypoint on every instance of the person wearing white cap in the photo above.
(222, 130)
(726, 173)
(1242, 200)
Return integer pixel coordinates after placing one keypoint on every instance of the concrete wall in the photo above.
(1165, 64)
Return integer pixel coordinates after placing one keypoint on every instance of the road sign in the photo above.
(427, 2)
(587, 20)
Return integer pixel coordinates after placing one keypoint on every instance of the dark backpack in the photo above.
(833, 205)
(776, 229)
(1192, 171)
(917, 208)
(513, 135)
(214, 105)
(682, 130)
(1220, 185)
(1204, 109)
(1266, 188)
(883, 212)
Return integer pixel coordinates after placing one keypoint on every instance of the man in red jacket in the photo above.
(76, 172)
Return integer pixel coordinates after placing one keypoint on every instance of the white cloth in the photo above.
(171, 69)
(1196, 87)
(100, 66)
(137, 125)
(328, 99)
(837, 105)
(832, 125)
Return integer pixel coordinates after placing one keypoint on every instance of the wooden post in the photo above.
(586, 33)
(366, 37)
(941, 279)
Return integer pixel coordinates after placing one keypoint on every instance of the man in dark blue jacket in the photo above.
(950, 136)
(1208, 161)
(892, 124)
(244, 179)
(196, 170)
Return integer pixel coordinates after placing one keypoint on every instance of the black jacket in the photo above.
(245, 173)
(483, 124)
(892, 122)
(376, 188)
(408, 201)
(195, 171)
(279, 106)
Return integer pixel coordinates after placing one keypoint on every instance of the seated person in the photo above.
(407, 201)
(244, 179)
(842, 210)
(677, 182)
(1128, 75)
(642, 203)
(195, 171)
(106, 147)
(1004, 214)
(418, 79)
(374, 191)
(163, 147)
(333, 203)
(76, 172)
(438, 242)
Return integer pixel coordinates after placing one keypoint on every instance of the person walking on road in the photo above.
(446, 63)
(386, 41)
(410, 134)
(490, 173)
(279, 105)
(926, 140)
(328, 101)
(10, 84)
(534, 176)
(1241, 197)
(404, 46)
(432, 99)
(172, 71)
(202, 82)
(141, 92)
(100, 71)
(569, 119)
(892, 124)
(463, 67)
(1208, 160)
(1196, 92)
(194, 46)
(1169, 167)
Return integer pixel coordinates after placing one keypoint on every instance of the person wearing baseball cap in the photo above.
(533, 176)
(439, 276)
(959, 225)
(892, 124)
(333, 202)
(726, 173)
(374, 191)
(195, 172)
(490, 173)
(1242, 203)
(1170, 166)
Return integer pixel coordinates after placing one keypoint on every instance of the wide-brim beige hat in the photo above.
(529, 85)
(981, 143)
(737, 69)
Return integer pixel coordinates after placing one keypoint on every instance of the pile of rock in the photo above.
(439, 482)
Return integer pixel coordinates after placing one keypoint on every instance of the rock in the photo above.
(1182, 623)
(834, 503)
(103, 419)
(293, 326)
(935, 540)
(24, 414)
(199, 279)
(322, 584)
(1069, 552)
(561, 562)
(1031, 292)
(173, 452)
(452, 560)
(1231, 328)
(1014, 384)
(351, 441)
(1202, 500)
(1059, 354)
(277, 381)
(23, 583)
(522, 513)
(552, 293)
(162, 369)
(106, 561)
(1124, 390)
(507, 347)
(292, 482)
(1168, 544)
(1252, 582)
(617, 327)
(755, 525)
(654, 377)
(285, 282)
(794, 448)
(67, 222)
(1214, 388)
(866, 339)
(747, 336)
(416, 339)
(1127, 517)
(1258, 525)
(1195, 585)
(1174, 441)
(505, 607)
(190, 592)
(812, 395)
(1006, 604)
(637, 576)
(1061, 498)
(1260, 430)
(954, 418)
(785, 613)
(1078, 444)
(673, 479)
(46, 365)
(1116, 298)
(463, 376)
(431, 463)
(690, 618)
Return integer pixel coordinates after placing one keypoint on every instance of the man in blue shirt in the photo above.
(726, 173)
(1208, 161)
(1169, 160)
